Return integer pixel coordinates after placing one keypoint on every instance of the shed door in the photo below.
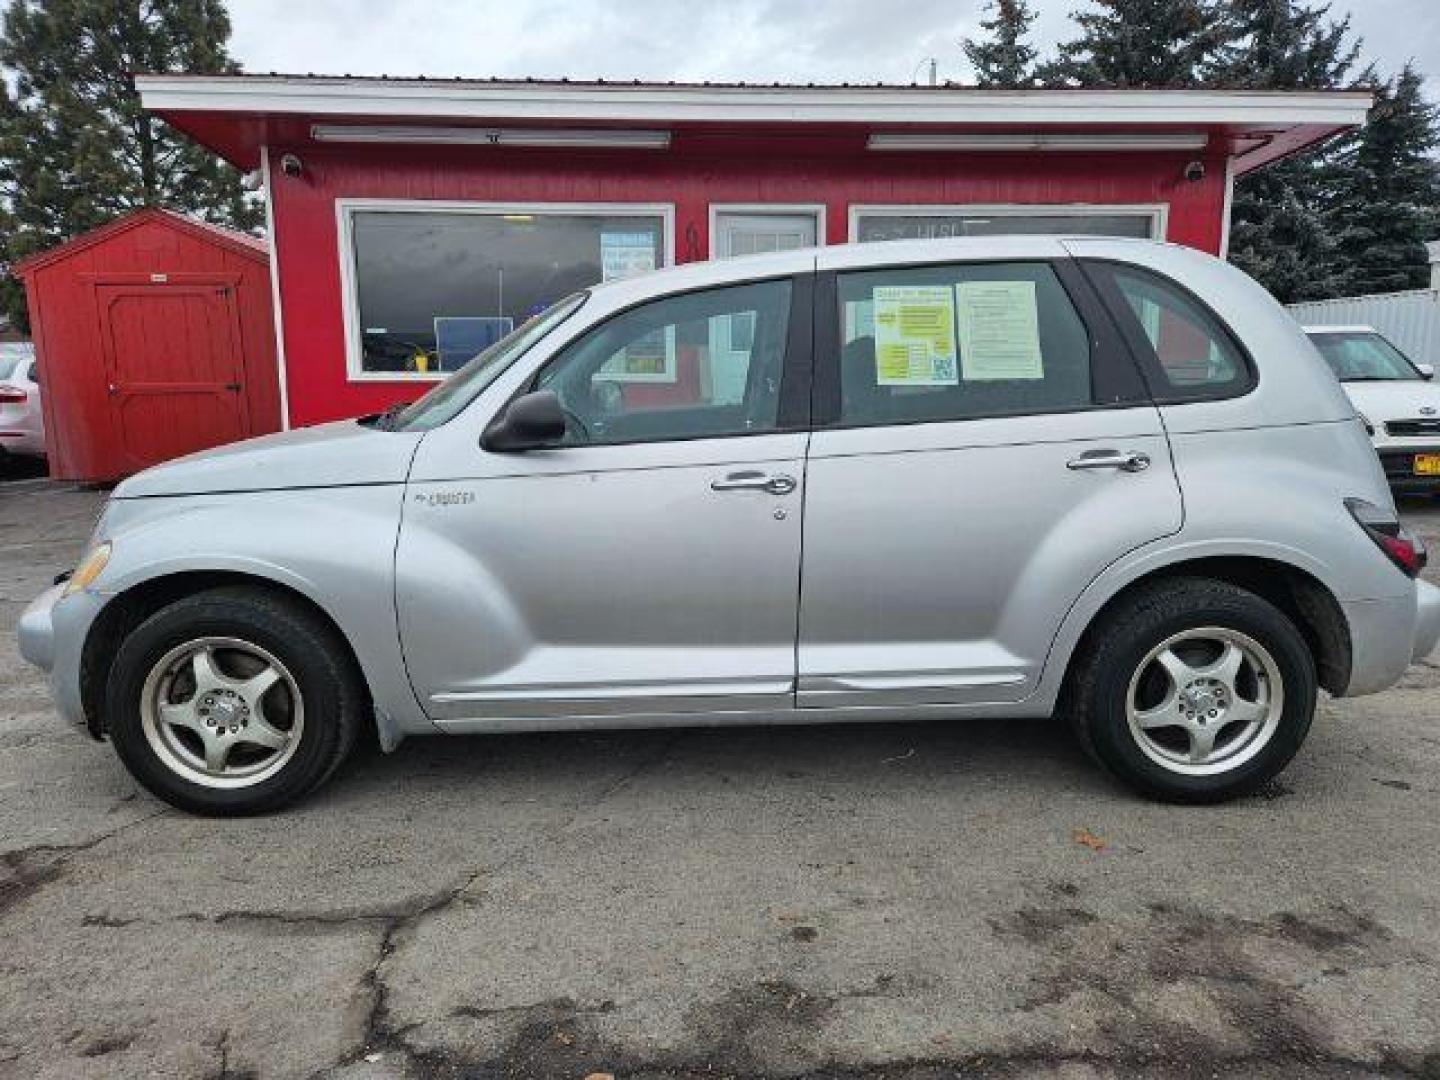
(173, 369)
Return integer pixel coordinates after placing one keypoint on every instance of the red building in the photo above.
(154, 338)
(414, 220)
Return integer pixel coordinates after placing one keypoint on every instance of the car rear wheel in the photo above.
(232, 701)
(1194, 690)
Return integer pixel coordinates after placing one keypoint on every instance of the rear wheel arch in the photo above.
(1303, 598)
(127, 610)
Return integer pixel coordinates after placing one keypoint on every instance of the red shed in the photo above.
(413, 220)
(155, 338)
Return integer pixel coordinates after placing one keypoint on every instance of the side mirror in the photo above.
(531, 422)
(1427, 371)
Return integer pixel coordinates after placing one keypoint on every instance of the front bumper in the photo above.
(1399, 466)
(51, 635)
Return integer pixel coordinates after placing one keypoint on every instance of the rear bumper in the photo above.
(1387, 636)
(51, 636)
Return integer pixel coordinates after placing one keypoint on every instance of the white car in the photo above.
(1394, 396)
(22, 423)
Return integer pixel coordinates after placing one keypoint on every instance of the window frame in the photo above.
(797, 363)
(346, 209)
(1116, 379)
(717, 209)
(1158, 213)
(1100, 273)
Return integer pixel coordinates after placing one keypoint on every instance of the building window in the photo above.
(429, 286)
(869, 223)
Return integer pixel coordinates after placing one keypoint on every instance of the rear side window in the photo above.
(959, 342)
(1195, 357)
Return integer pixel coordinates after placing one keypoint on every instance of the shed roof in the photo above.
(238, 114)
(242, 243)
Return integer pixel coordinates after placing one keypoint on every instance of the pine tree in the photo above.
(1139, 43)
(1389, 199)
(1007, 59)
(1280, 232)
(76, 149)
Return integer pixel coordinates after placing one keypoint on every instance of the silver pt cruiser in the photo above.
(1004, 478)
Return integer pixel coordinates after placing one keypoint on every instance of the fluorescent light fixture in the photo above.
(1038, 140)
(618, 139)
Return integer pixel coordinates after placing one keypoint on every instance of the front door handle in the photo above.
(1110, 459)
(754, 480)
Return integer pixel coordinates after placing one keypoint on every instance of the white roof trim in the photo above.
(660, 104)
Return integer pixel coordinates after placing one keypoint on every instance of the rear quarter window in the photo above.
(1189, 354)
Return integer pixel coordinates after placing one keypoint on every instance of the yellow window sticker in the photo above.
(999, 330)
(915, 336)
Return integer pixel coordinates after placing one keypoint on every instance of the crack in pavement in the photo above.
(30, 869)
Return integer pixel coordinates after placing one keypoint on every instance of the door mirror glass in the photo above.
(1427, 371)
(531, 422)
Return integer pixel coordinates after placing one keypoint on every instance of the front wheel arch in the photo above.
(127, 610)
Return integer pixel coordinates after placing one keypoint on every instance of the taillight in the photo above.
(1400, 546)
(12, 395)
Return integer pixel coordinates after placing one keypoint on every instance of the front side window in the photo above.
(693, 365)
(1357, 356)
(433, 288)
(446, 401)
(959, 342)
(1195, 355)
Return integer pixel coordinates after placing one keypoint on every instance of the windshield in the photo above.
(1360, 356)
(12, 355)
(446, 401)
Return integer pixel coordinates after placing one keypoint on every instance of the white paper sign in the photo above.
(624, 255)
(999, 330)
(915, 336)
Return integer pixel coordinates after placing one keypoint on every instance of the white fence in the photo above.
(1411, 320)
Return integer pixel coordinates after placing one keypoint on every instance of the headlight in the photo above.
(1369, 427)
(88, 570)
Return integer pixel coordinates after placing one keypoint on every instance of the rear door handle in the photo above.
(1125, 461)
(754, 480)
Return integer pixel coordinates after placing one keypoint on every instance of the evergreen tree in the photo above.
(1280, 233)
(76, 149)
(1388, 202)
(1139, 43)
(1007, 59)
(1283, 45)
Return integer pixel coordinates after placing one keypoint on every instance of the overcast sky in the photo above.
(788, 40)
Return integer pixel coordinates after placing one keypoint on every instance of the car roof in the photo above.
(1354, 328)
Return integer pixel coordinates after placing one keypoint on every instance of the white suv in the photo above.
(1395, 397)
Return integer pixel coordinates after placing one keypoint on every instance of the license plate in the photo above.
(1427, 464)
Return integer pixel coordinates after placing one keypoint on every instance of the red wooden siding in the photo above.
(307, 253)
(106, 308)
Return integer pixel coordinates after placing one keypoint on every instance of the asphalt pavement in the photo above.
(907, 901)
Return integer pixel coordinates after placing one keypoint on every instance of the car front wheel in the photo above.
(1194, 690)
(232, 701)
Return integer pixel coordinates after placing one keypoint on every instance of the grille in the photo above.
(1412, 427)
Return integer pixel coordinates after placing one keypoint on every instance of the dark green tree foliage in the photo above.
(1138, 43)
(1389, 204)
(1004, 57)
(1280, 232)
(76, 149)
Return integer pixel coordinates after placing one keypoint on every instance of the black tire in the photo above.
(319, 662)
(1114, 649)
